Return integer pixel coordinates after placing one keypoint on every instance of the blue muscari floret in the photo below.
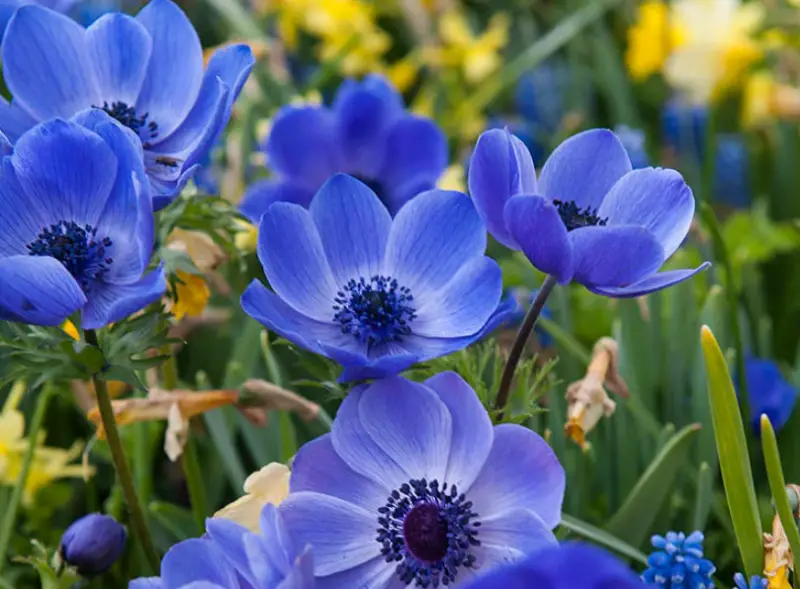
(633, 140)
(230, 556)
(374, 293)
(756, 582)
(146, 72)
(589, 217)
(76, 231)
(769, 393)
(449, 493)
(568, 566)
(366, 133)
(678, 563)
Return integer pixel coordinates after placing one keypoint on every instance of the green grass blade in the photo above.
(704, 497)
(603, 538)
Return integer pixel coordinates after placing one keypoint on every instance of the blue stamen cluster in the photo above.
(429, 531)
(756, 582)
(375, 311)
(127, 116)
(575, 217)
(77, 248)
(678, 562)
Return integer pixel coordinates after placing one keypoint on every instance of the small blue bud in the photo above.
(92, 544)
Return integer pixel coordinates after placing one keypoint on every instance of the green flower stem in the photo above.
(12, 507)
(121, 463)
(519, 344)
(194, 482)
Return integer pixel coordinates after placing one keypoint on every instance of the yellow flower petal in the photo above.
(268, 485)
(192, 293)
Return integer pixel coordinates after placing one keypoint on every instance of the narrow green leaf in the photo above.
(176, 520)
(704, 497)
(632, 522)
(734, 459)
(590, 532)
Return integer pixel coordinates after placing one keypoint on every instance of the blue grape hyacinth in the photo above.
(769, 393)
(146, 72)
(678, 562)
(588, 218)
(230, 556)
(76, 233)
(366, 133)
(568, 566)
(756, 582)
(373, 293)
(449, 494)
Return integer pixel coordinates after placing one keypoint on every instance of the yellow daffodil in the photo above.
(651, 40)
(192, 291)
(191, 296)
(268, 485)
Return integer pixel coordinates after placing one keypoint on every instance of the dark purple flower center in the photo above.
(126, 115)
(575, 217)
(375, 311)
(429, 531)
(77, 248)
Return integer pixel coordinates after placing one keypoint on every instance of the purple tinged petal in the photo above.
(584, 168)
(536, 226)
(147, 583)
(652, 283)
(357, 366)
(22, 220)
(519, 529)
(229, 538)
(375, 573)
(614, 255)
(262, 193)
(500, 167)
(14, 121)
(655, 198)
(109, 303)
(196, 560)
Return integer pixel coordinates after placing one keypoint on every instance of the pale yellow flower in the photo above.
(766, 99)
(651, 39)
(452, 179)
(192, 290)
(246, 239)
(268, 485)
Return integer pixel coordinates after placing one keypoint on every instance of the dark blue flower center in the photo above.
(429, 531)
(575, 217)
(77, 247)
(126, 115)
(375, 311)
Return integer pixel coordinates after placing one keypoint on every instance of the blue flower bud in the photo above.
(92, 544)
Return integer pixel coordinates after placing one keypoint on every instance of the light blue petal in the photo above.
(373, 573)
(616, 255)
(521, 472)
(22, 220)
(370, 364)
(521, 530)
(119, 49)
(262, 193)
(229, 538)
(584, 168)
(167, 177)
(657, 199)
(500, 167)
(7, 9)
(534, 223)
(257, 549)
(293, 256)
(317, 467)
(14, 121)
(302, 145)
(175, 72)
(342, 534)
(472, 428)
(652, 283)
(196, 560)
(464, 304)
(109, 303)
(431, 238)
(37, 290)
(276, 542)
(301, 576)
(354, 227)
(46, 64)
(395, 196)
(147, 583)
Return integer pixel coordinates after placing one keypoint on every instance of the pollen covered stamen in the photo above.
(376, 311)
(575, 217)
(126, 115)
(77, 247)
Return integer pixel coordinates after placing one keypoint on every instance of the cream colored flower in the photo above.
(268, 485)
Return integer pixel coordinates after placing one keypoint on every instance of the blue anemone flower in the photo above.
(769, 393)
(678, 562)
(230, 556)
(8, 7)
(365, 133)
(572, 565)
(146, 72)
(756, 582)
(76, 231)
(373, 293)
(448, 492)
(588, 218)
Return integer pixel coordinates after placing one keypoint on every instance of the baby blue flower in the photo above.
(678, 562)
(232, 557)
(756, 582)
(633, 140)
(373, 293)
(448, 493)
(365, 133)
(146, 72)
(588, 218)
(769, 393)
(569, 566)
(76, 231)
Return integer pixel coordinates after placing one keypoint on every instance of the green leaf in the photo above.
(733, 456)
(176, 520)
(704, 497)
(590, 532)
(632, 522)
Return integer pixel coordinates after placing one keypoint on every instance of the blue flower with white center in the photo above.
(76, 233)
(373, 293)
(678, 562)
(230, 556)
(449, 494)
(366, 133)
(146, 72)
(589, 217)
(633, 140)
(571, 565)
(756, 582)
(769, 393)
